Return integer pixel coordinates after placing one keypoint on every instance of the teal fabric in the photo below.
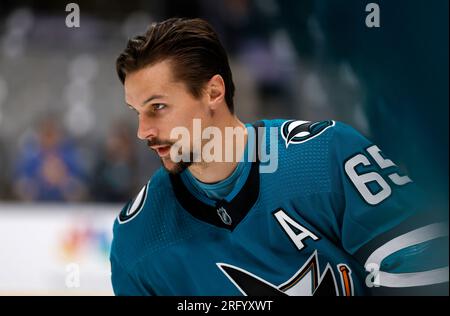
(324, 232)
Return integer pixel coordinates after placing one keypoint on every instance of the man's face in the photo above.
(162, 103)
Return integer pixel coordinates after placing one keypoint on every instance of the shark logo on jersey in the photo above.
(297, 132)
(133, 207)
(307, 281)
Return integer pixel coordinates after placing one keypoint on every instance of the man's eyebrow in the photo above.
(153, 97)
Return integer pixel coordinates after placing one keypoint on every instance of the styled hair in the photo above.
(190, 45)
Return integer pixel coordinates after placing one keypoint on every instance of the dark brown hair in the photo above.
(192, 47)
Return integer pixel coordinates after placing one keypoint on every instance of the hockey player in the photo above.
(332, 216)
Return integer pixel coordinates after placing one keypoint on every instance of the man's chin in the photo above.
(175, 167)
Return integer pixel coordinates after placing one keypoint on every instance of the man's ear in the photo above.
(215, 91)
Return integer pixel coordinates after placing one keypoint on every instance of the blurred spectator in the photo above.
(116, 170)
(251, 36)
(48, 167)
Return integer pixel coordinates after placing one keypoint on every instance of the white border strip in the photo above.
(411, 238)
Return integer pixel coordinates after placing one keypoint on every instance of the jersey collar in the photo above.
(224, 214)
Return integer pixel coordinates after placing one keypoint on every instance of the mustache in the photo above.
(159, 142)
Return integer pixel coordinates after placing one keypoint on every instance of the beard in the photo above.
(167, 163)
(175, 167)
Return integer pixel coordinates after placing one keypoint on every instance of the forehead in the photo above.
(152, 79)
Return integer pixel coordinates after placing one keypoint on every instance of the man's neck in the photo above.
(211, 172)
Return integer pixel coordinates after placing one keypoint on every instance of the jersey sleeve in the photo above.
(123, 283)
(383, 218)
(127, 274)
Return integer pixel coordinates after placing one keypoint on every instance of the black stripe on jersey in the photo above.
(237, 208)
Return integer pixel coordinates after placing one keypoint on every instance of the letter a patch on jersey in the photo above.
(294, 230)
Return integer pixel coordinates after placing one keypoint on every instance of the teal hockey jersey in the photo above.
(322, 212)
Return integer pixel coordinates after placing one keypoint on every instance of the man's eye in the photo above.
(158, 106)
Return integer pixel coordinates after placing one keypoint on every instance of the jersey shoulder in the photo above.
(151, 222)
(307, 150)
(142, 202)
(310, 141)
(315, 139)
(295, 132)
(139, 215)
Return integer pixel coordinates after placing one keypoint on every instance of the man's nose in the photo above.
(146, 130)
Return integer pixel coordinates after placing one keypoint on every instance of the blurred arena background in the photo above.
(69, 157)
